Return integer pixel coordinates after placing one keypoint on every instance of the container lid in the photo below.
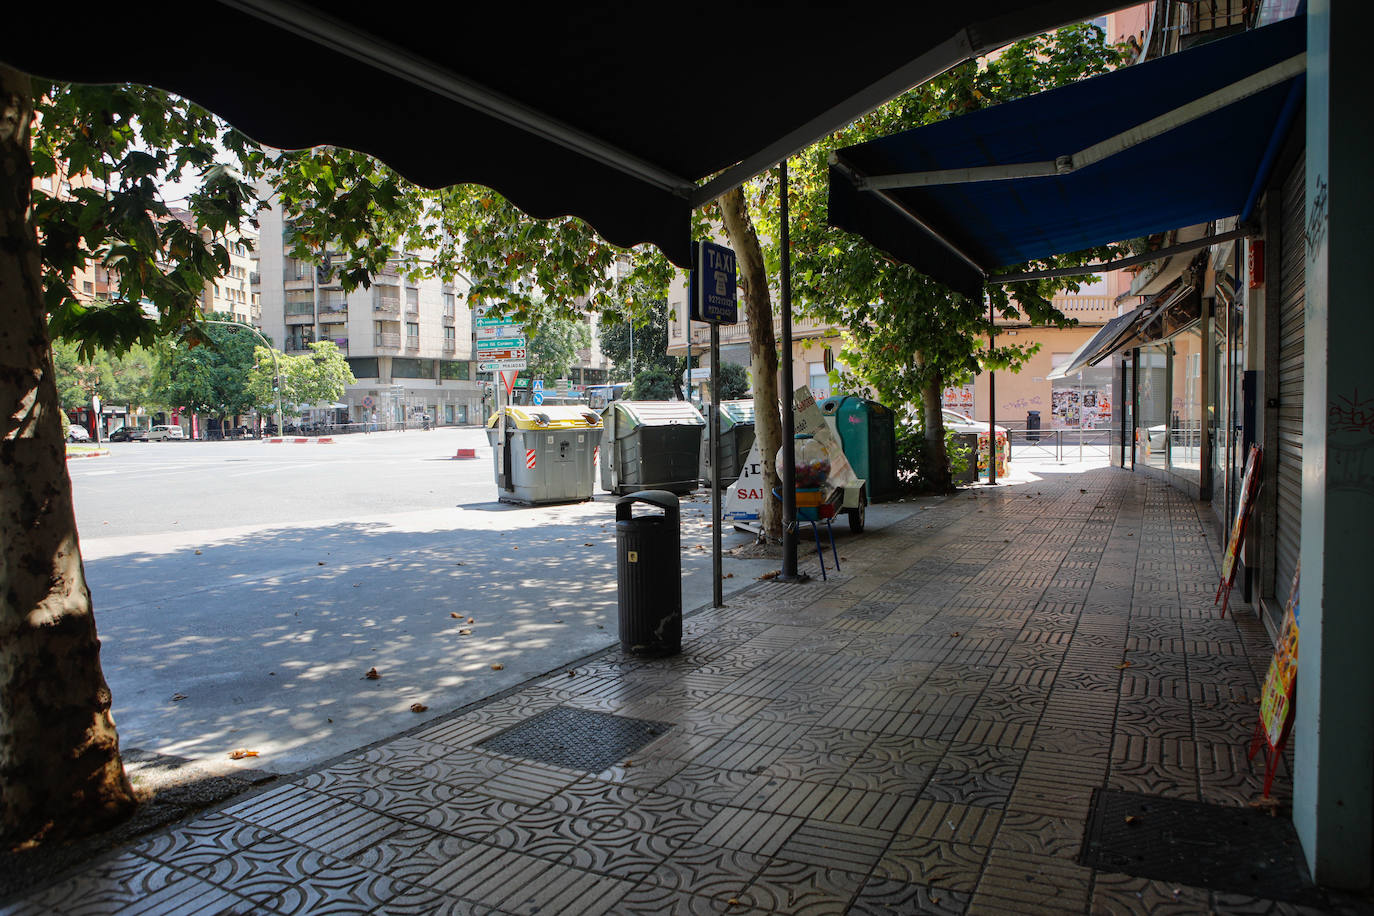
(549, 417)
(739, 411)
(656, 413)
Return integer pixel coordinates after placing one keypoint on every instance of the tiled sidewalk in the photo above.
(923, 733)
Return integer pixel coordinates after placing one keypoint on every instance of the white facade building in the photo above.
(409, 343)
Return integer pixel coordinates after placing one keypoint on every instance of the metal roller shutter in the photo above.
(1292, 295)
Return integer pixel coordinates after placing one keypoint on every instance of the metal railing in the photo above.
(1068, 444)
(386, 340)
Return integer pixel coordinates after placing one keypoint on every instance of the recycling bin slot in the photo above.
(649, 574)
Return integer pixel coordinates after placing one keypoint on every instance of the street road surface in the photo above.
(243, 589)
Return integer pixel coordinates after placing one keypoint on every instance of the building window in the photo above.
(412, 332)
(450, 307)
(412, 300)
(87, 287)
(450, 336)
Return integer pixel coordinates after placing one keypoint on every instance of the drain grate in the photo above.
(1240, 850)
(577, 739)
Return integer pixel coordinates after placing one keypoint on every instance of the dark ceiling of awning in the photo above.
(1205, 169)
(710, 91)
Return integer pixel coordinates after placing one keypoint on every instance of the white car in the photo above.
(963, 423)
(158, 433)
(78, 434)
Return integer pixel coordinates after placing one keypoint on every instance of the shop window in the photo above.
(1152, 425)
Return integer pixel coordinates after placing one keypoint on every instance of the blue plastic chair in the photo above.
(814, 515)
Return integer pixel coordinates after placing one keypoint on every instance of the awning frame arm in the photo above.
(1119, 263)
(853, 175)
(1068, 164)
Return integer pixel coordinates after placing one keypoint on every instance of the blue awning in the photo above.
(1173, 142)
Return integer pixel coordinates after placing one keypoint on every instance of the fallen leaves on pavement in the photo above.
(418, 707)
(178, 696)
(497, 667)
(240, 753)
(372, 674)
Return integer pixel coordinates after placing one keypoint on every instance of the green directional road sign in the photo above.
(501, 343)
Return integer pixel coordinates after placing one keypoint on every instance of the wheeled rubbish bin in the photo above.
(736, 438)
(651, 445)
(549, 455)
(649, 574)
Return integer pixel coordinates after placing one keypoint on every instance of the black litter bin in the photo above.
(1033, 425)
(649, 574)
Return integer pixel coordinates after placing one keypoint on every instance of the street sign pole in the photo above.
(787, 473)
(713, 418)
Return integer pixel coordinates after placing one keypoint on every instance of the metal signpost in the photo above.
(713, 299)
(501, 347)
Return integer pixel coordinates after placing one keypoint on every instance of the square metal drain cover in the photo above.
(577, 739)
(1241, 850)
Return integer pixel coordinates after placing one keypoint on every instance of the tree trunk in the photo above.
(60, 770)
(763, 350)
(932, 406)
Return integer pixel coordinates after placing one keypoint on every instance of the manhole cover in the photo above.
(1241, 850)
(577, 739)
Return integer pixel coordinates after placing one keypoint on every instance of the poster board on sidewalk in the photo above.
(1249, 485)
(1276, 699)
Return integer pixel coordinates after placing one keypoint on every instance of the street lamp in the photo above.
(276, 367)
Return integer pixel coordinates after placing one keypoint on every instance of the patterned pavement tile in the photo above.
(830, 845)
(1125, 895)
(110, 886)
(936, 864)
(796, 887)
(410, 855)
(622, 853)
(200, 842)
(884, 897)
(1031, 884)
(707, 871)
(546, 834)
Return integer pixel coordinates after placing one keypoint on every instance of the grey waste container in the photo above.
(650, 445)
(549, 455)
(736, 438)
(1032, 426)
(970, 442)
(649, 574)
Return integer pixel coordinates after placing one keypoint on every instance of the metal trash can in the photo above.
(549, 455)
(736, 438)
(1032, 426)
(649, 574)
(651, 445)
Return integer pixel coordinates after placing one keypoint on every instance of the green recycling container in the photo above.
(868, 435)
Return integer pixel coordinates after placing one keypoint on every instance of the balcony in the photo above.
(386, 340)
(450, 319)
(412, 344)
(450, 347)
(334, 309)
(412, 309)
(254, 278)
(300, 313)
(298, 346)
(341, 343)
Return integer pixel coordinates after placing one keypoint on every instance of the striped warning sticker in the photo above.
(529, 458)
(596, 456)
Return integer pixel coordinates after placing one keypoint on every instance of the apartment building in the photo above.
(408, 343)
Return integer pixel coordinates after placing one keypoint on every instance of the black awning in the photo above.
(1116, 157)
(1162, 316)
(604, 113)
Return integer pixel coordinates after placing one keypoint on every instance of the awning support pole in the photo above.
(992, 397)
(787, 473)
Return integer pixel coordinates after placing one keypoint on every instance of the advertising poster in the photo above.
(1276, 701)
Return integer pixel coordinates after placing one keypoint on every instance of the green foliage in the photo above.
(130, 139)
(915, 470)
(118, 379)
(734, 381)
(208, 373)
(650, 339)
(553, 348)
(653, 384)
(318, 377)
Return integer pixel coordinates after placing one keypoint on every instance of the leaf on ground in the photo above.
(955, 633)
(197, 553)
(728, 576)
(321, 563)
(178, 696)
(372, 674)
(418, 707)
(465, 632)
(1123, 666)
(1132, 820)
(1268, 805)
(771, 575)
(589, 544)
(497, 667)
(471, 620)
(572, 674)
(454, 614)
(240, 753)
(629, 763)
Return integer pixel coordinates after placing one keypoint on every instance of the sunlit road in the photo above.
(243, 589)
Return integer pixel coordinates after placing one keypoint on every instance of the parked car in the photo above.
(129, 434)
(963, 423)
(78, 434)
(158, 433)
